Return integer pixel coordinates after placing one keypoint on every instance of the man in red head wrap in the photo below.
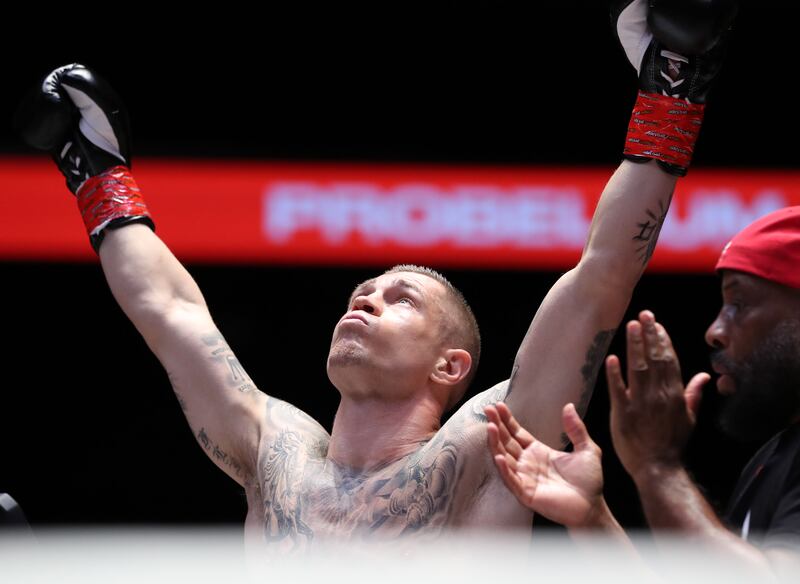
(756, 352)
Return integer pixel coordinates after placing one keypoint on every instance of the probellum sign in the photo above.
(223, 211)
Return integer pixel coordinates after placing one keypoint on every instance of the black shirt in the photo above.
(765, 505)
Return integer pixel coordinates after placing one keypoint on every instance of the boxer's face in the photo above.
(390, 337)
(756, 342)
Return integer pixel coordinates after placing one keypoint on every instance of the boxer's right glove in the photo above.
(677, 48)
(76, 117)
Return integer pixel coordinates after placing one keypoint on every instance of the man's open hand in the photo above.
(651, 418)
(566, 487)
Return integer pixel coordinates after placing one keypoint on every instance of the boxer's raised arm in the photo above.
(81, 122)
(563, 350)
(221, 403)
(564, 347)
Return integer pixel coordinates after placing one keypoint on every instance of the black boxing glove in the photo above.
(79, 119)
(677, 48)
(691, 27)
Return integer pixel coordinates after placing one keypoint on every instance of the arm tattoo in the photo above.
(215, 452)
(649, 230)
(591, 367)
(221, 352)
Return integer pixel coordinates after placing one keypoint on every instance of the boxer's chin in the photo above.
(346, 353)
(345, 358)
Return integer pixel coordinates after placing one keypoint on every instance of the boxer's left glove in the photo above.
(677, 48)
(79, 119)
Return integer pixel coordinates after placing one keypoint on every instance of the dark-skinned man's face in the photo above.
(756, 342)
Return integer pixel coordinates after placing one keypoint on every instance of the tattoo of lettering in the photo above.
(221, 352)
(591, 367)
(649, 231)
(217, 453)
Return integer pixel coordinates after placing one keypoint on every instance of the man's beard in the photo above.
(767, 386)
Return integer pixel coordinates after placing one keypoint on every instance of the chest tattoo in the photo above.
(305, 495)
(283, 489)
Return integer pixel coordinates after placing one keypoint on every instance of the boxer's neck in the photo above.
(369, 434)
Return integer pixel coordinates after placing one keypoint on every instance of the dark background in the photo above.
(89, 429)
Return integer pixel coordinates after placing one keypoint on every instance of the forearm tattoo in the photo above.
(221, 352)
(649, 230)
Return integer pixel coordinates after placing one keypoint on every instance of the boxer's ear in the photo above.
(452, 367)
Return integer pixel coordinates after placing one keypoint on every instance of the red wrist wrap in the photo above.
(664, 128)
(111, 196)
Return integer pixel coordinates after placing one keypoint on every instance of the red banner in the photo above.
(223, 211)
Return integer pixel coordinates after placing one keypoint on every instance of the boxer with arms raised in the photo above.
(407, 346)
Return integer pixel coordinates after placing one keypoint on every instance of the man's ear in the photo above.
(452, 367)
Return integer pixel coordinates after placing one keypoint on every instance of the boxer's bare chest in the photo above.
(301, 497)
